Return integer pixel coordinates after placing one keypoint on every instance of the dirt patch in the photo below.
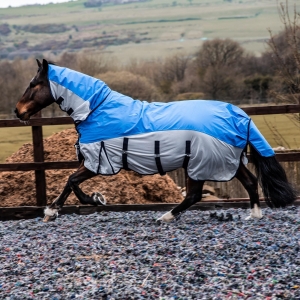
(18, 188)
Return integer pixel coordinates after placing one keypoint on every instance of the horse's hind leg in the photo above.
(249, 182)
(194, 195)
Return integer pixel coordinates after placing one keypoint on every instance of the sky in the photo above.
(6, 3)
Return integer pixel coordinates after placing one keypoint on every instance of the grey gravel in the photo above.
(110, 255)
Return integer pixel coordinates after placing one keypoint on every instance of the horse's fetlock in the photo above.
(167, 217)
(57, 207)
(256, 212)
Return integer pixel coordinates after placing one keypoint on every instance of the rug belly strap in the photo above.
(157, 159)
(211, 159)
(124, 154)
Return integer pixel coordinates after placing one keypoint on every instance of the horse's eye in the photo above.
(32, 85)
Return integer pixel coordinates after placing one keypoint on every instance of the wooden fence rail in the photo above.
(39, 166)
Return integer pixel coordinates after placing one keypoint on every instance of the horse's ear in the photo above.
(45, 66)
(39, 63)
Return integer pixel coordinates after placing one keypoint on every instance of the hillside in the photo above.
(142, 29)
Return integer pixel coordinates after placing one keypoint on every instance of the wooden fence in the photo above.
(39, 166)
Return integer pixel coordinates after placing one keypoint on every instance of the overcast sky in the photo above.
(6, 3)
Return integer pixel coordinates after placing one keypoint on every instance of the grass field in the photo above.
(11, 139)
(168, 25)
(279, 130)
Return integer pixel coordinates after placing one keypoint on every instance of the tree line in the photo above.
(220, 70)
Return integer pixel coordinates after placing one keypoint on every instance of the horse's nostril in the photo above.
(17, 113)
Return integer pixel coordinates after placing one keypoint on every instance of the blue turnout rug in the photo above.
(116, 131)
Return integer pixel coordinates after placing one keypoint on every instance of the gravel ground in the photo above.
(112, 255)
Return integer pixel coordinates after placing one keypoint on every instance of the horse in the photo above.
(209, 139)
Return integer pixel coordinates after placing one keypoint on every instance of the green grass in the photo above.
(279, 130)
(11, 139)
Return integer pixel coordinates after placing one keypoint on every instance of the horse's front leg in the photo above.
(73, 182)
(194, 195)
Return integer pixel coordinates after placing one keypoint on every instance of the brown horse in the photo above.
(85, 99)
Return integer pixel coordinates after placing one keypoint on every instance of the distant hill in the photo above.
(42, 28)
(4, 29)
(134, 28)
(98, 3)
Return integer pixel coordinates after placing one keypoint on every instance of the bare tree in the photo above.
(286, 50)
(286, 54)
(92, 64)
(176, 66)
(219, 52)
(218, 63)
(135, 86)
(216, 83)
(13, 80)
(171, 71)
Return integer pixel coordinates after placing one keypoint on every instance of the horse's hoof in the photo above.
(99, 199)
(229, 217)
(158, 222)
(167, 218)
(50, 214)
(49, 218)
(256, 213)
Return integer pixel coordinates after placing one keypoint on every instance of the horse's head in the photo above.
(37, 95)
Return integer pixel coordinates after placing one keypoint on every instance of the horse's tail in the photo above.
(273, 181)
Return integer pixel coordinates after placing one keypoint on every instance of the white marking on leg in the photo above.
(255, 213)
(50, 211)
(167, 217)
(50, 214)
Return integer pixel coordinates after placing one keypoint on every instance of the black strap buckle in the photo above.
(187, 154)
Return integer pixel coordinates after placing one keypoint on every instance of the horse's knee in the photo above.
(72, 181)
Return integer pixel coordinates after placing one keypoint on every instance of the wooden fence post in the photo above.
(38, 155)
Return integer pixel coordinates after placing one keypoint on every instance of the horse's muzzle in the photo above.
(23, 117)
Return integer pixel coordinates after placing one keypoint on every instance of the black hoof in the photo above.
(178, 216)
(158, 222)
(229, 217)
(99, 199)
(213, 214)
